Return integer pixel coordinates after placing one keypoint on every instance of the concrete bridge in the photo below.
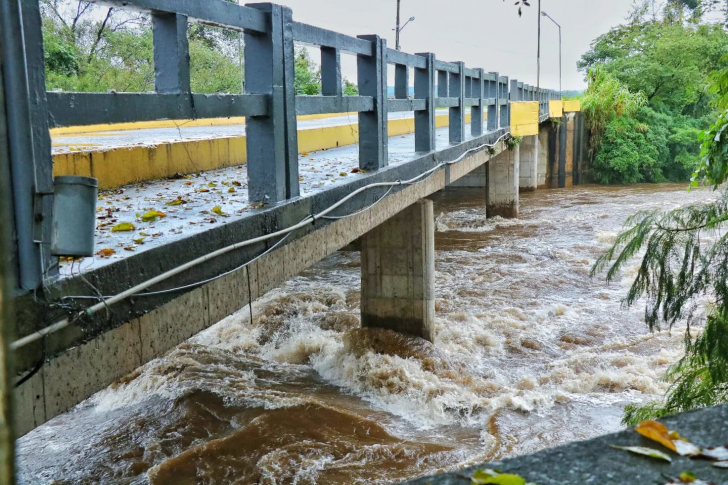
(77, 333)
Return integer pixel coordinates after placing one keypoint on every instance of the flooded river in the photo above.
(530, 353)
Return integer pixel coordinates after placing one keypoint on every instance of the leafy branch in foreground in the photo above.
(685, 260)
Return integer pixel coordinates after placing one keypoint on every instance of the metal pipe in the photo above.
(106, 302)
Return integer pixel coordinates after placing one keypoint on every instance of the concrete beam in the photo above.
(503, 180)
(398, 273)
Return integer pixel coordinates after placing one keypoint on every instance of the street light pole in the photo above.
(396, 42)
(559, 26)
(399, 29)
(538, 54)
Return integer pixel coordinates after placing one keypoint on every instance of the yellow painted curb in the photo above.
(126, 165)
(145, 125)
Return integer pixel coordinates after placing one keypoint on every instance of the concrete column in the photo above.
(528, 171)
(398, 273)
(503, 179)
(543, 157)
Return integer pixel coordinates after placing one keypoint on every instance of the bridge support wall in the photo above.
(398, 273)
(529, 156)
(502, 184)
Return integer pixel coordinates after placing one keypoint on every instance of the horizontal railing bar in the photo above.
(447, 102)
(309, 34)
(312, 105)
(406, 105)
(402, 58)
(472, 101)
(79, 109)
(503, 79)
(502, 101)
(446, 66)
(489, 77)
(471, 73)
(214, 12)
(489, 102)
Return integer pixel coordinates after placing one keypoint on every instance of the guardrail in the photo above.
(269, 103)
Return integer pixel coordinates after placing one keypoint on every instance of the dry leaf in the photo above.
(106, 253)
(139, 241)
(669, 439)
(719, 453)
(642, 450)
(178, 201)
(218, 210)
(123, 226)
(231, 190)
(237, 184)
(152, 216)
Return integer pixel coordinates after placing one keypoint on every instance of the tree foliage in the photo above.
(656, 70)
(685, 264)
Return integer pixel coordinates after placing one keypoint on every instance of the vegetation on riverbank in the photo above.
(648, 98)
(96, 49)
(683, 275)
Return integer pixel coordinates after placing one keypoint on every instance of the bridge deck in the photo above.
(319, 171)
(110, 139)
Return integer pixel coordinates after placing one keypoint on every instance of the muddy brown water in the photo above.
(530, 353)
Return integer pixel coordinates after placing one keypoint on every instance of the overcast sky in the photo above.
(482, 33)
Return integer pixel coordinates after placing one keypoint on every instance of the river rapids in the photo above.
(531, 352)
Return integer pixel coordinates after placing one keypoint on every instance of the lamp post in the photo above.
(544, 14)
(538, 53)
(400, 29)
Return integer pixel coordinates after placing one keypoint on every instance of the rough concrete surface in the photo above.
(594, 462)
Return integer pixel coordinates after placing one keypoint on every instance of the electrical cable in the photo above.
(202, 259)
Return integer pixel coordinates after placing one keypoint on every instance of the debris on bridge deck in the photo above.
(191, 204)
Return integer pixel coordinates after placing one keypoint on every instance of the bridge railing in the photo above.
(270, 103)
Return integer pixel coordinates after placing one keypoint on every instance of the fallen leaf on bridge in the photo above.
(218, 210)
(106, 253)
(669, 439)
(153, 215)
(123, 226)
(687, 477)
(177, 201)
(487, 476)
(642, 450)
(719, 453)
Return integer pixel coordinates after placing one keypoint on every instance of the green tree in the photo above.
(90, 48)
(680, 268)
(308, 74)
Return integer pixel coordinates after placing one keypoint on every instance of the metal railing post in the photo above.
(372, 80)
(31, 165)
(505, 109)
(171, 53)
(401, 81)
(425, 128)
(331, 72)
(457, 113)
(272, 140)
(493, 86)
(514, 95)
(476, 112)
(443, 82)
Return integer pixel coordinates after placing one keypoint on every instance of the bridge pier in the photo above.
(398, 273)
(502, 184)
(529, 159)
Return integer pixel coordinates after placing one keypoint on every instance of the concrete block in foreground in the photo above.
(594, 462)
